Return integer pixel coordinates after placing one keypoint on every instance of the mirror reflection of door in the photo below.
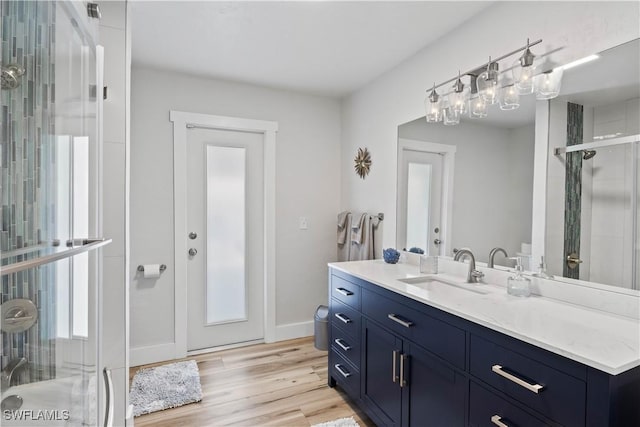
(420, 192)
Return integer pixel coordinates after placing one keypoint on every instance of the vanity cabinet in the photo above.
(406, 363)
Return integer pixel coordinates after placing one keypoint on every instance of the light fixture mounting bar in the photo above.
(484, 66)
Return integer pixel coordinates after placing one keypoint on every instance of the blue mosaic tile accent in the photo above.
(573, 188)
(27, 128)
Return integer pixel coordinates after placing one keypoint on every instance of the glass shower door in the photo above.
(50, 161)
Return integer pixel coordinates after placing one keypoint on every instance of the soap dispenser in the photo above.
(519, 285)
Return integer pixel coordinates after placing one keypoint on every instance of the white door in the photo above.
(420, 198)
(225, 220)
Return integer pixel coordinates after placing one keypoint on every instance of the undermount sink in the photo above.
(433, 283)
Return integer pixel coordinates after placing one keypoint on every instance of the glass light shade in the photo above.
(487, 84)
(509, 97)
(450, 116)
(432, 109)
(523, 77)
(547, 85)
(477, 108)
(458, 101)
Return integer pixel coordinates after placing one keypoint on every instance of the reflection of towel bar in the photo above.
(162, 268)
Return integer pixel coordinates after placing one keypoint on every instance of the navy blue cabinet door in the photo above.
(381, 387)
(435, 395)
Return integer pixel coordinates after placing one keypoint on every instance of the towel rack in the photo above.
(380, 216)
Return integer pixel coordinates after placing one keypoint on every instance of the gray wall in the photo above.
(307, 184)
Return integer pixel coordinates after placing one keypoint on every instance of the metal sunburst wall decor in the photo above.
(363, 162)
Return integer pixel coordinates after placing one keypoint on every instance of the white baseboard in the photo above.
(161, 352)
(152, 354)
(294, 330)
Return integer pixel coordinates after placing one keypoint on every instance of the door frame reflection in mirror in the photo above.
(446, 206)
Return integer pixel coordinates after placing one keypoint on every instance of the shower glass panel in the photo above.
(49, 204)
(609, 216)
(226, 222)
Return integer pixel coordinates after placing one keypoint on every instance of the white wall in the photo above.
(493, 183)
(372, 114)
(307, 184)
(115, 301)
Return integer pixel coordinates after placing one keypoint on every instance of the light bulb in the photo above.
(477, 108)
(547, 85)
(509, 97)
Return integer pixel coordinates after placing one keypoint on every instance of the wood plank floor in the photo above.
(280, 384)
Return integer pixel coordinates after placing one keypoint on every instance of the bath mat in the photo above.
(342, 422)
(164, 387)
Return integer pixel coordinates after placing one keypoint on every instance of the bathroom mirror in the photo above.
(492, 180)
(493, 175)
(593, 193)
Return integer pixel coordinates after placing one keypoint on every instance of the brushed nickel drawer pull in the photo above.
(497, 420)
(394, 363)
(342, 372)
(345, 292)
(343, 318)
(403, 380)
(345, 347)
(405, 323)
(536, 388)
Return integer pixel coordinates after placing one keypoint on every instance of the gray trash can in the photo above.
(321, 328)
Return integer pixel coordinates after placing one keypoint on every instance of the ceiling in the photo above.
(321, 47)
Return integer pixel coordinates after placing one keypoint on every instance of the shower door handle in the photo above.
(193, 252)
(108, 385)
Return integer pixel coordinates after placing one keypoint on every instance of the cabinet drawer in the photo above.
(346, 318)
(438, 337)
(345, 291)
(556, 395)
(345, 345)
(488, 410)
(346, 376)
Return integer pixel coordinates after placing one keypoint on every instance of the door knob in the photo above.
(193, 235)
(573, 260)
(193, 251)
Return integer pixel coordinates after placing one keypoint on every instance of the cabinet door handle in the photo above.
(108, 385)
(405, 323)
(345, 292)
(343, 318)
(342, 372)
(497, 420)
(345, 347)
(403, 380)
(394, 363)
(535, 388)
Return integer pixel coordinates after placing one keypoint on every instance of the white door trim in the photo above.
(448, 160)
(181, 121)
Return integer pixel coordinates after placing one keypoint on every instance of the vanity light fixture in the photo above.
(458, 98)
(524, 71)
(488, 85)
(432, 105)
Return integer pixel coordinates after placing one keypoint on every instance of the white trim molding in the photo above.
(181, 122)
(294, 330)
(139, 356)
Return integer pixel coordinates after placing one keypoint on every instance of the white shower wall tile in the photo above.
(114, 79)
(113, 193)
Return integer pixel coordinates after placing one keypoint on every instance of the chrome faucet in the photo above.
(8, 371)
(493, 253)
(474, 275)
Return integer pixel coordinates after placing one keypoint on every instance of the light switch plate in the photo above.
(303, 223)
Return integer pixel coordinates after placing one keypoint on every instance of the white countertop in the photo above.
(602, 340)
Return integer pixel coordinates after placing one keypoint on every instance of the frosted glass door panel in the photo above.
(226, 231)
(418, 200)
